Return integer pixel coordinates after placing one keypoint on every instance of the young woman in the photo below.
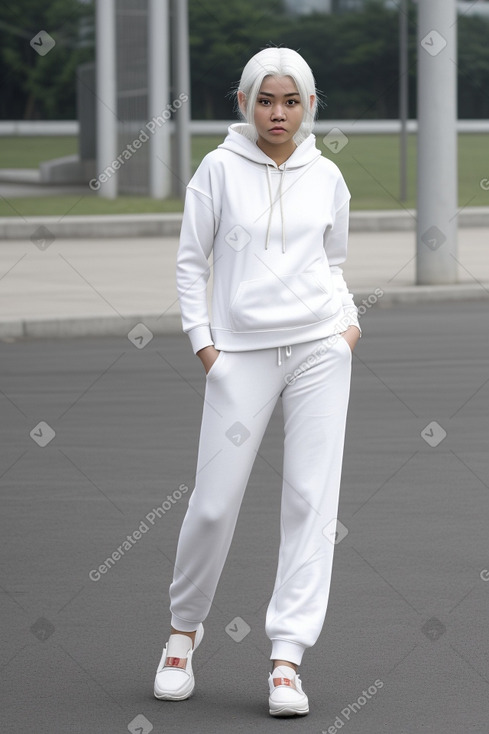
(274, 213)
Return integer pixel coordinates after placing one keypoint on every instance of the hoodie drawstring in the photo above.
(272, 202)
(281, 207)
(288, 352)
(270, 210)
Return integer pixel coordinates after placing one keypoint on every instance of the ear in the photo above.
(242, 101)
(312, 98)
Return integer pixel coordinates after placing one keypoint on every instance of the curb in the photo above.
(168, 225)
(92, 326)
(87, 227)
(31, 328)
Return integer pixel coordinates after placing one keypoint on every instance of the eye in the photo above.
(264, 101)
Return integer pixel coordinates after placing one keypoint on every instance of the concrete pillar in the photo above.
(437, 142)
(181, 85)
(403, 97)
(158, 96)
(106, 94)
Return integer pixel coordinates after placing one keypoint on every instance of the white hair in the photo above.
(279, 62)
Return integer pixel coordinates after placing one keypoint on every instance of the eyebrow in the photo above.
(290, 94)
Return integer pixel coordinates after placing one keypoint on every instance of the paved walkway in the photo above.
(77, 286)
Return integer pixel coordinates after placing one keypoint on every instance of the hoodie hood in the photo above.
(241, 140)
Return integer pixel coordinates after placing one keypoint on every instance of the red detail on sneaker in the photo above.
(176, 663)
(283, 682)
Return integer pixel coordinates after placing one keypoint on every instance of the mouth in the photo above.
(278, 129)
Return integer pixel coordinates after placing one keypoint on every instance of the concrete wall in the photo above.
(219, 127)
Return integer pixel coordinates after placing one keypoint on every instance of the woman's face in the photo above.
(278, 110)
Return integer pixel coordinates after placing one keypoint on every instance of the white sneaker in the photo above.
(174, 676)
(286, 695)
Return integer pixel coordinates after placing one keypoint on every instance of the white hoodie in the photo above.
(278, 235)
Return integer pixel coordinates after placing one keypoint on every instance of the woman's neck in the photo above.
(278, 153)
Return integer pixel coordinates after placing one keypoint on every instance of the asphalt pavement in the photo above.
(99, 439)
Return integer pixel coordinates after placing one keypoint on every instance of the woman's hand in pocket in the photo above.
(208, 356)
(351, 336)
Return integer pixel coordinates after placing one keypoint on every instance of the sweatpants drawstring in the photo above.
(288, 352)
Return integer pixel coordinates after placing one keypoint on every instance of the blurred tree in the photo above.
(473, 67)
(354, 56)
(366, 50)
(35, 86)
(224, 34)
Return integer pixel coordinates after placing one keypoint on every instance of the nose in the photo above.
(278, 111)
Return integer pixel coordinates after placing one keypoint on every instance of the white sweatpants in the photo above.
(242, 388)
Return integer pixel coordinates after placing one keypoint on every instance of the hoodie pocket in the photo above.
(215, 366)
(283, 302)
